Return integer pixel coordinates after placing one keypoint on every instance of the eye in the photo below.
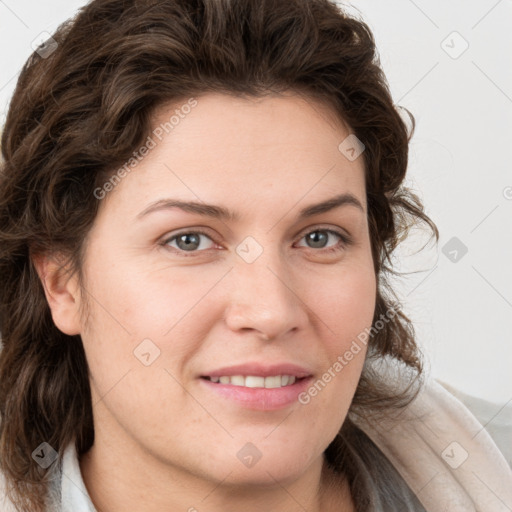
(318, 239)
(188, 241)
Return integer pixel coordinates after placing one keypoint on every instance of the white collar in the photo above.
(75, 497)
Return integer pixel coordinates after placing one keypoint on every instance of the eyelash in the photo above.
(346, 241)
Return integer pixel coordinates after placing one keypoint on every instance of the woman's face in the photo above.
(177, 295)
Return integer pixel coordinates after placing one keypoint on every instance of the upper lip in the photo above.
(261, 370)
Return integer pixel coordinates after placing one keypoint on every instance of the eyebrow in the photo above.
(219, 212)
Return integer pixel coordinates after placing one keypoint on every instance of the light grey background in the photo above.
(461, 304)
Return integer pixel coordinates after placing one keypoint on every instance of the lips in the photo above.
(258, 386)
(256, 398)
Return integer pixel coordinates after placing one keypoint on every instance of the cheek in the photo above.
(345, 306)
(345, 303)
(147, 302)
(156, 317)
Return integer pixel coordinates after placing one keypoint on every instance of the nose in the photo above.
(265, 299)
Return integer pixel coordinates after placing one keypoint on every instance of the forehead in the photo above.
(248, 151)
(253, 119)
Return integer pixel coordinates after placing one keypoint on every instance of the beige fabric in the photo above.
(496, 417)
(445, 454)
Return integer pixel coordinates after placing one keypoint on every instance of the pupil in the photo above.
(316, 236)
(186, 238)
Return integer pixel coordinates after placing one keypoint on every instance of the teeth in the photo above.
(273, 382)
(252, 381)
(237, 380)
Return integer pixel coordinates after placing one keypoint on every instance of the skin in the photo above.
(163, 442)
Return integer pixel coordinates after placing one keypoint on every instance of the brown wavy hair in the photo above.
(77, 114)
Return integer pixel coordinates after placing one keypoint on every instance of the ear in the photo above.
(61, 290)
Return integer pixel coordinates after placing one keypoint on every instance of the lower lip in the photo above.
(260, 399)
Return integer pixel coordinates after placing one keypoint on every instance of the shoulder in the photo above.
(442, 450)
(495, 418)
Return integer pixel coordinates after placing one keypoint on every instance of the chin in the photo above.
(266, 462)
(267, 474)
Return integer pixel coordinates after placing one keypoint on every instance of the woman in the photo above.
(198, 207)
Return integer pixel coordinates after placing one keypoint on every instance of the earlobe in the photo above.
(61, 290)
